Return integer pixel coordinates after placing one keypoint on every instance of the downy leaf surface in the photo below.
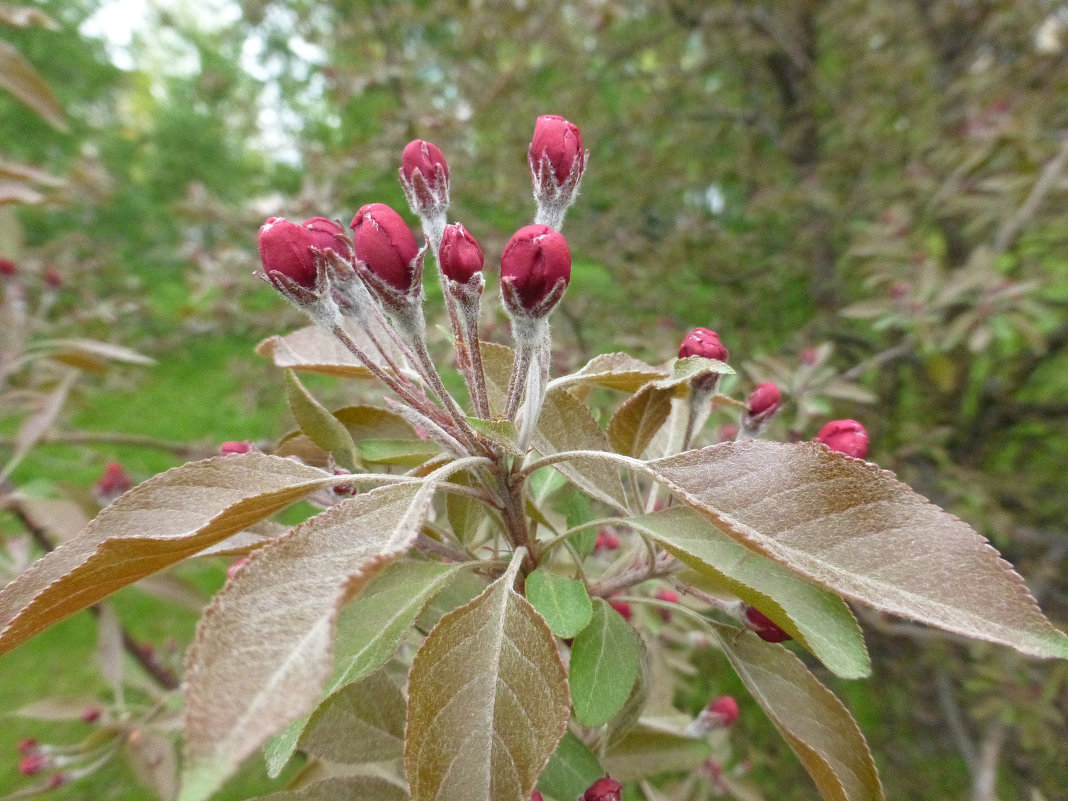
(487, 701)
(604, 664)
(262, 651)
(855, 529)
(156, 524)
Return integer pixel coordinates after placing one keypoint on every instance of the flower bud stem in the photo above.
(475, 374)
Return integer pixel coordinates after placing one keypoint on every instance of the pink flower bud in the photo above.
(234, 446)
(606, 541)
(622, 607)
(385, 243)
(27, 746)
(605, 789)
(703, 342)
(666, 596)
(424, 157)
(33, 764)
(57, 780)
(722, 710)
(284, 249)
(535, 270)
(114, 482)
(560, 141)
(53, 278)
(91, 714)
(536, 796)
(460, 256)
(763, 626)
(845, 436)
(8, 268)
(765, 400)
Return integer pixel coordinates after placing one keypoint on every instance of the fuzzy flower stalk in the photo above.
(557, 162)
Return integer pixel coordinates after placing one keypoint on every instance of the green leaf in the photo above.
(363, 722)
(818, 619)
(499, 432)
(604, 664)
(563, 602)
(577, 512)
(810, 718)
(319, 425)
(262, 650)
(855, 529)
(487, 701)
(613, 370)
(565, 424)
(684, 371)
(632, 710)
(571, 770)
(464, 512)
(645, 752)
(368, 632)
(636, 422)
(156, 524)
(349, 788)
(406, 452)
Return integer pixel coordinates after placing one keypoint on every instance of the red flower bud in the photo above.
(459, 256)
(114, 482)
(622, 607)
(722, 710)
(534, 263)
(424, 157)
(234, 446)
(536, 796)
(845, 436)
(53, 278)
(606, 789)
(559, 141)
(703, 342)
(57, 780)
(764, 400)
(761, 625)
(668, 597)
(27, 746)
(8, 268)
(606, 541)
(385, 243)
(32, 764)
(285, 247)
(91, 714)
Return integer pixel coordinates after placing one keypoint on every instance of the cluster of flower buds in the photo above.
(762, 404)
(378, 272)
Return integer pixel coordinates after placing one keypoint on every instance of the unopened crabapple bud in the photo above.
(606, 541)
(27, 746)
(558, 141)
(667, 596)
(285, 248)
(33, 764)
(622, 607)
(705, 343)
(424, 176)
(764, 401)
(57, 780)
(722, 710)
(113, 483)
(91, 714)
(536, 796)
(53, 278)
(386, 245)
(763, 626)
(535, 271)
(604, 789)
(845, 436)
(459, 256)
(232, 447)
(557, 161)
(8, 268)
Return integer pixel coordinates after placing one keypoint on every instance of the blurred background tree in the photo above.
(866, 200)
